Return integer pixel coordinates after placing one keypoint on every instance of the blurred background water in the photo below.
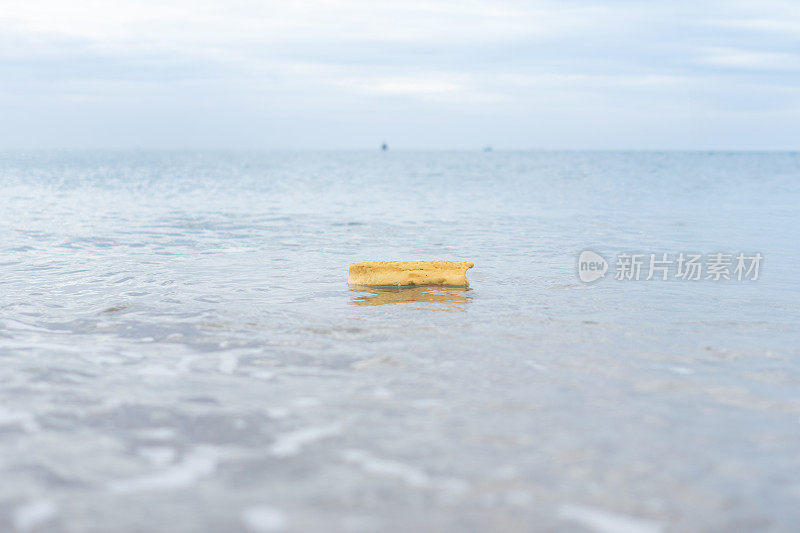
(180, 351)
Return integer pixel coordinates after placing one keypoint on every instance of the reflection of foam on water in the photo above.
(453, 298)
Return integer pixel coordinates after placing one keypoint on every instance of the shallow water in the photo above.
(179, 349)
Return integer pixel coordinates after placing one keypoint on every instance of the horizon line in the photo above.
(484, 149)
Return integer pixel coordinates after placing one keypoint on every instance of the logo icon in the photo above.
(591, 266)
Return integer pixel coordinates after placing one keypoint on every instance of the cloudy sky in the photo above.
(418, 74)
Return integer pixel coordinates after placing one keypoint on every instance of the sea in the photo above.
(180, 350)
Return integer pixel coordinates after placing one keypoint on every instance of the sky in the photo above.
(351, 74)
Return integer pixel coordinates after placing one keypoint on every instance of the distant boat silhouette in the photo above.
(384, 147)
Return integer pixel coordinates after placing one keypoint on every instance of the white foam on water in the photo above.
(158, 371)
(44, 346)
(291, 443)
(228, 363)
(232, 250)
(389, 468)
(411, 476)
(306, 402)
(194, 466)
(186, 362)
(264, 519)
(9, 323)
(277, 413)
(603, 521)
(33, 514)
(158, 455)
(158, 433)
(24, 419)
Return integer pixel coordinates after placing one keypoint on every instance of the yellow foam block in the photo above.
(408, 273)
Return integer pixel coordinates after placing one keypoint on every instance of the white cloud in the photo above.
(750, 59)
(195, 68)
(791, 26)
(242, 22)
(414, 86)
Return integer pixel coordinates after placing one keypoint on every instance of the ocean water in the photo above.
(180, 351)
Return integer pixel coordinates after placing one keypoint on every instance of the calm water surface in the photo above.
(180, 351)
